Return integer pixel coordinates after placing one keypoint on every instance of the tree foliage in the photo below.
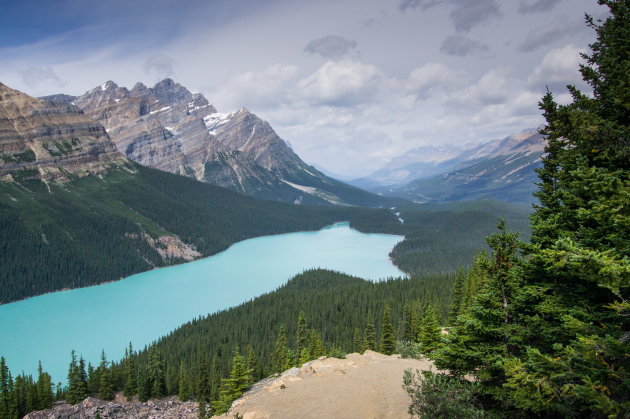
(548, 335)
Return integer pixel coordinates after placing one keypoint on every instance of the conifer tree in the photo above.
(155, 374)
(131, 373)
(316, 346)
(252, 364)
(77, 380)
(549, 335)
(280, 357)
(369, 335)
(5, 396)
(203, 380)
(183, 385)
(234, 386)
(458, 294)
(302, 334)
(106, 390)
(430, 331)
(144, 389)
(216, 378)
(44, 389)
(407, 324)
(388, 345)
(357, 342)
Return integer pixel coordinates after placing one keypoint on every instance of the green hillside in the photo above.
(96, 229)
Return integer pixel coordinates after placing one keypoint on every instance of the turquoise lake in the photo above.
(143, 307)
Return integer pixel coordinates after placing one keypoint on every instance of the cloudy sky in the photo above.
(349, 83)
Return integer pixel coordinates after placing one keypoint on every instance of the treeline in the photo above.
(90, 230)
(22, 394)
(443, 237)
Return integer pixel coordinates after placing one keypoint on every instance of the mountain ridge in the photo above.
(169, 128)
(502, 169)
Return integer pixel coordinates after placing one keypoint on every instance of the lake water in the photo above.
(143, 307)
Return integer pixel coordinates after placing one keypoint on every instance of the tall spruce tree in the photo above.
(388, 345)
(280, 357)
(106, 388)
(234, 386)
(369, 335)
(301, 335)
(131, 373)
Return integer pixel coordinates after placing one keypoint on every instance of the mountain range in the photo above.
(169, 128)
(502, 169)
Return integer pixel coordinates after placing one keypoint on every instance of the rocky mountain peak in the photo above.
(139, 89)
(171, 93)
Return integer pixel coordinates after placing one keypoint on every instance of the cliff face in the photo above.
(160, 127)
(49, 139)
(169, 128)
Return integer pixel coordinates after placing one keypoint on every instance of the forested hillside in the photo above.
(95, 229)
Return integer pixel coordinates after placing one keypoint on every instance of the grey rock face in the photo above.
(50, 137)
(91, 407)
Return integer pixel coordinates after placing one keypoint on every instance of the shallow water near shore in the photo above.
(143, 307)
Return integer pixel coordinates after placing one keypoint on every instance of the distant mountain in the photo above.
(49, 140)
(502, 169)
(414, 164)
(169, 128)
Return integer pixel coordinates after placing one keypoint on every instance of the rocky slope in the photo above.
(360, 386)
(170, 408)
(169, 128)
(502, 169)
(50, 140)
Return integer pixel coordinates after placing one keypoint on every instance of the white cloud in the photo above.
(268, 88)
(559, 67)
(159, 66)
(34, 75)
(431, 76)
(341, 83)
(491, 89)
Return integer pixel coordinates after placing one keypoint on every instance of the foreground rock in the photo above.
(91, 407)
(360, 386)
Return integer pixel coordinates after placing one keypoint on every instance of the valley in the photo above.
(167, 253)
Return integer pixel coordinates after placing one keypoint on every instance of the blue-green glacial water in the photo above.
(143, 307)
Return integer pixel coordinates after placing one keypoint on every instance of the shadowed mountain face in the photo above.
(49, 140)
(169, 128)
(502, 169)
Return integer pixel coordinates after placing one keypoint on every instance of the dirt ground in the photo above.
(360, 386)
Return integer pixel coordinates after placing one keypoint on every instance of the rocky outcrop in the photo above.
(360, 386)
(92, 408)
(48, 139)
(160, 127)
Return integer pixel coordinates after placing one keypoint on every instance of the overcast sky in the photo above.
(349, 83)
